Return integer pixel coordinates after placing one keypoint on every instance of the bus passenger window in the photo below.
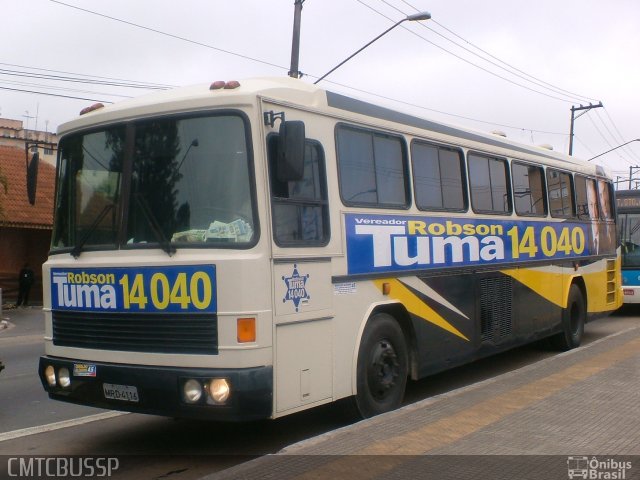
(437, 177)
(586, 198)
(606, 205)
(560, 194)
(300, 209)
(372, 168)
(528, 189)
(488, 181)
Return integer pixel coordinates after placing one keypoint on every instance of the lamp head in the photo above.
(418, 16)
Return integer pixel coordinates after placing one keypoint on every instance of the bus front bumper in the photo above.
(159, 390)
(631, 294)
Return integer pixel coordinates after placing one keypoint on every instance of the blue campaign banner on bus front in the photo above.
(390, 243)
(171, 289)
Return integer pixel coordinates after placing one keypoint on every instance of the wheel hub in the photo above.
(384, 370)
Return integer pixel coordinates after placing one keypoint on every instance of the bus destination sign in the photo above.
(171, 289)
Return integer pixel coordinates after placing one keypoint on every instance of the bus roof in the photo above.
(297, 92)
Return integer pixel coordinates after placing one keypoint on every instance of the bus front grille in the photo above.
(157, 333)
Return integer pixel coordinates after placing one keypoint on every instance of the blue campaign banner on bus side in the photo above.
(391, 243)
(170, 289)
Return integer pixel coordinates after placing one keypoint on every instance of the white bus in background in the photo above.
(249, 250)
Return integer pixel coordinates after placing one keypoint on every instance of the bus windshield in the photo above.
(629, 225)
(170, 182)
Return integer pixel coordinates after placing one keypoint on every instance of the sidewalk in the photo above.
(575, 414)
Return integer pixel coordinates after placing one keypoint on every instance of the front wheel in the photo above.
(573, 320)
(382, 367)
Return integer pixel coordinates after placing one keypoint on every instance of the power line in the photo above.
(409, 104)
(170, 35)
(620, 138)
(509, 69)
(54, 95)
(133, 82)
(464, 59)
(61, 89)
(56, 78)
(508, 65)
(346, 86)
(606, 140)
(284, 68)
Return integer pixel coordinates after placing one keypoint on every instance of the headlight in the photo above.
(192, 391)
(64, 379)
(50, 375)
(219, 390)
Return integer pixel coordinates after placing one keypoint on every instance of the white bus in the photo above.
(249, 250)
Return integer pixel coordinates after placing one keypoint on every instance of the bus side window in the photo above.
(438, 177)
(561, 198)
(299, 208)
(488, 178)
(606, 205)
(586, 203)
(372, 168)
(528, 189)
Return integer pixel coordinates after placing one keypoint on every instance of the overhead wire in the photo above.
(464, 59)
(606, 140)
(409, 104)
(54, 95)
(535, 80)
(61, 89)
(82, 75)
(619, 139)
(285, 68)
(16, 73)
(171, 35)
(510, 70)
(508, 67)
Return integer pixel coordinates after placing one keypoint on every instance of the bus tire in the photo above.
(573, 320)
(382, 367)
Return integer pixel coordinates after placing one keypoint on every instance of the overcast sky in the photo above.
(577, 51)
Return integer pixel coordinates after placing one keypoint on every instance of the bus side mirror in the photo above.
(32, 178)
(290, 165)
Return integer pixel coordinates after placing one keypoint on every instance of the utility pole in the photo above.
(573, 118)
(294, 71)
(631, 169)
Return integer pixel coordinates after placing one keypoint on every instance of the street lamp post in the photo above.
(615, 148)
(410, 18)
(295, 42)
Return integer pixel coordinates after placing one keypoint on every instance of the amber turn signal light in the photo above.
(246, 328)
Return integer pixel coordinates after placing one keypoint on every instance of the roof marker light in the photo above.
(95, 106)
(232, 84)
(217, 85)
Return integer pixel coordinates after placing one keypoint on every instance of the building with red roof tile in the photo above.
(25, 229)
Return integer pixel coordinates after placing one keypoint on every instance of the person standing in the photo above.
(25, 281)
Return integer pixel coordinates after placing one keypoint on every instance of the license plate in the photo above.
(125, 393)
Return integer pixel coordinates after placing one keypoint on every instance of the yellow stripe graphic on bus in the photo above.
(549, 285)
(416, 306)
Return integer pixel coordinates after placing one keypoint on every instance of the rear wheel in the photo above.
(573, 320)
(382, 367)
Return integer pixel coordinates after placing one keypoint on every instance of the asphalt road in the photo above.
(23, 401)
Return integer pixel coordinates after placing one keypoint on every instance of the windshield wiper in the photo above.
(164, 242)
(77, 249)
